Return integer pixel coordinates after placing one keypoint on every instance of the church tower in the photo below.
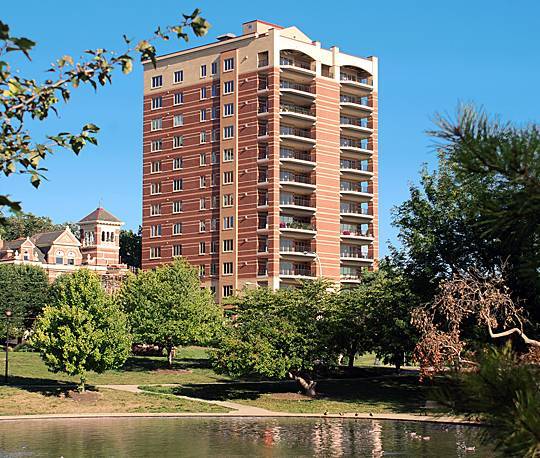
(100, 238)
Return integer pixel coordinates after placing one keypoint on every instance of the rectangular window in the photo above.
(156, 167)
(202, 181)
(155, 210)
(228, 64)
(214, 269)
(155, 252)
(202, 226)
(228, 132)
(203, 114)
(215, 201)
(215, 90)
(178, 120)
(228, 200)
(178, 141)
(214, 226)
(228, 155)
(227, 245)
(156, 145)
(214, 157)
(178, 184)
(215, 112)
(227, 290)
(177, 250)
(228, 87)
(214, 246)
(157, 124)
(202, 247)
(157, 102)
(228, 177)
(178, 98)
(203, 136)
(202, 203)
(179, 76)
(155, 230)
(177, 229)
(202, 270)
(155, 188)
(227, 268)
(203, 71)
(202, 159)
(177, 163)
(177, 206)
(157, 81)
(203, 93)
(215, 135)
(228, 222)
(228, 109)
(215, 68)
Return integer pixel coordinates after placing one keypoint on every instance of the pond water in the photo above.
(217, 437)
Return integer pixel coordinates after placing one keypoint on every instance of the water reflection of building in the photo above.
(376, 436)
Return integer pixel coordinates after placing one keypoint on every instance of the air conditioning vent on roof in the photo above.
(226, 36)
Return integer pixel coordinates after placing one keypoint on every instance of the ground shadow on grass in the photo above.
(45, 387)
(153, 363)
(403, 393)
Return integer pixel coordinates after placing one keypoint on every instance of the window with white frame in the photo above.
(227, 268)
(214, 268)
(215, 135)
(228, 155)
(203, 71)
(177, 163)
(178, 184)
(177, 206)
(155, 230)
(178, 98)
(202, 226)
(215, 90)
(155, 167)
(228, 109)
(155, 252)
(227, 245)
(156, 124)
(228, 200)
(203, 92)
(202, 270)
(178, 120)
(228, 222)
(203, 114)
(228, 132)
(155, 209)
(177, 229)
(178, 141)
(178, 76)
(156, 145)
(215, 67)
(202, 203)
(203, 136)
(228, 87)
(228, 64)
(228, 290)
(157, 81)
(157, 102)
(202, 159)
(177, 250)
(155, 188)
(202, 181)
(228, 177)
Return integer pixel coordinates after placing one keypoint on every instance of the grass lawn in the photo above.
(190, 366)
(32, 400)
(389, 394)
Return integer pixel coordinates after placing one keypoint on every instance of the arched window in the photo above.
(59, 257)
(26, 256)
(71, 258)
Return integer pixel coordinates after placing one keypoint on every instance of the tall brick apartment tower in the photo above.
(260, 160)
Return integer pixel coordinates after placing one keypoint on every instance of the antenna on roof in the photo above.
(100, 203)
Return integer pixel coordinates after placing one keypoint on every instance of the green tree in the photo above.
(166, 306)
(24, 100)
(279, 334)
(131, 247)
(24, 290)
(22, 224)
(82, 328)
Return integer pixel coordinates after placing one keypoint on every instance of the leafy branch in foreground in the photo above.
(22, 98)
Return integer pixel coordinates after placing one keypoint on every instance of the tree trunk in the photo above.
(308, 386)
(170, 356)
(82, 385)
(352, 354)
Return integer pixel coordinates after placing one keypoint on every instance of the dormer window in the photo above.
(71, 258)
(26, 256)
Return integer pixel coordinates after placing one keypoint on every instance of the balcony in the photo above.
(297, 158)
(294, 203)
(288, 247)
(297, 227)
(262, 154)
(296, 134)
(296, 89)
(354, 254)
(296, 65)
(354, 145)
(353, 81)
(355, 167)
(299, 180)
(295, 272)
(262, 201)
(356, 233)
(358, 126)
(355, 103)
(297, 112)
(350, 274)
(356, 190)
(351, 210)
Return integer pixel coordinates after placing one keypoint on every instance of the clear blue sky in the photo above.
(433, 54)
